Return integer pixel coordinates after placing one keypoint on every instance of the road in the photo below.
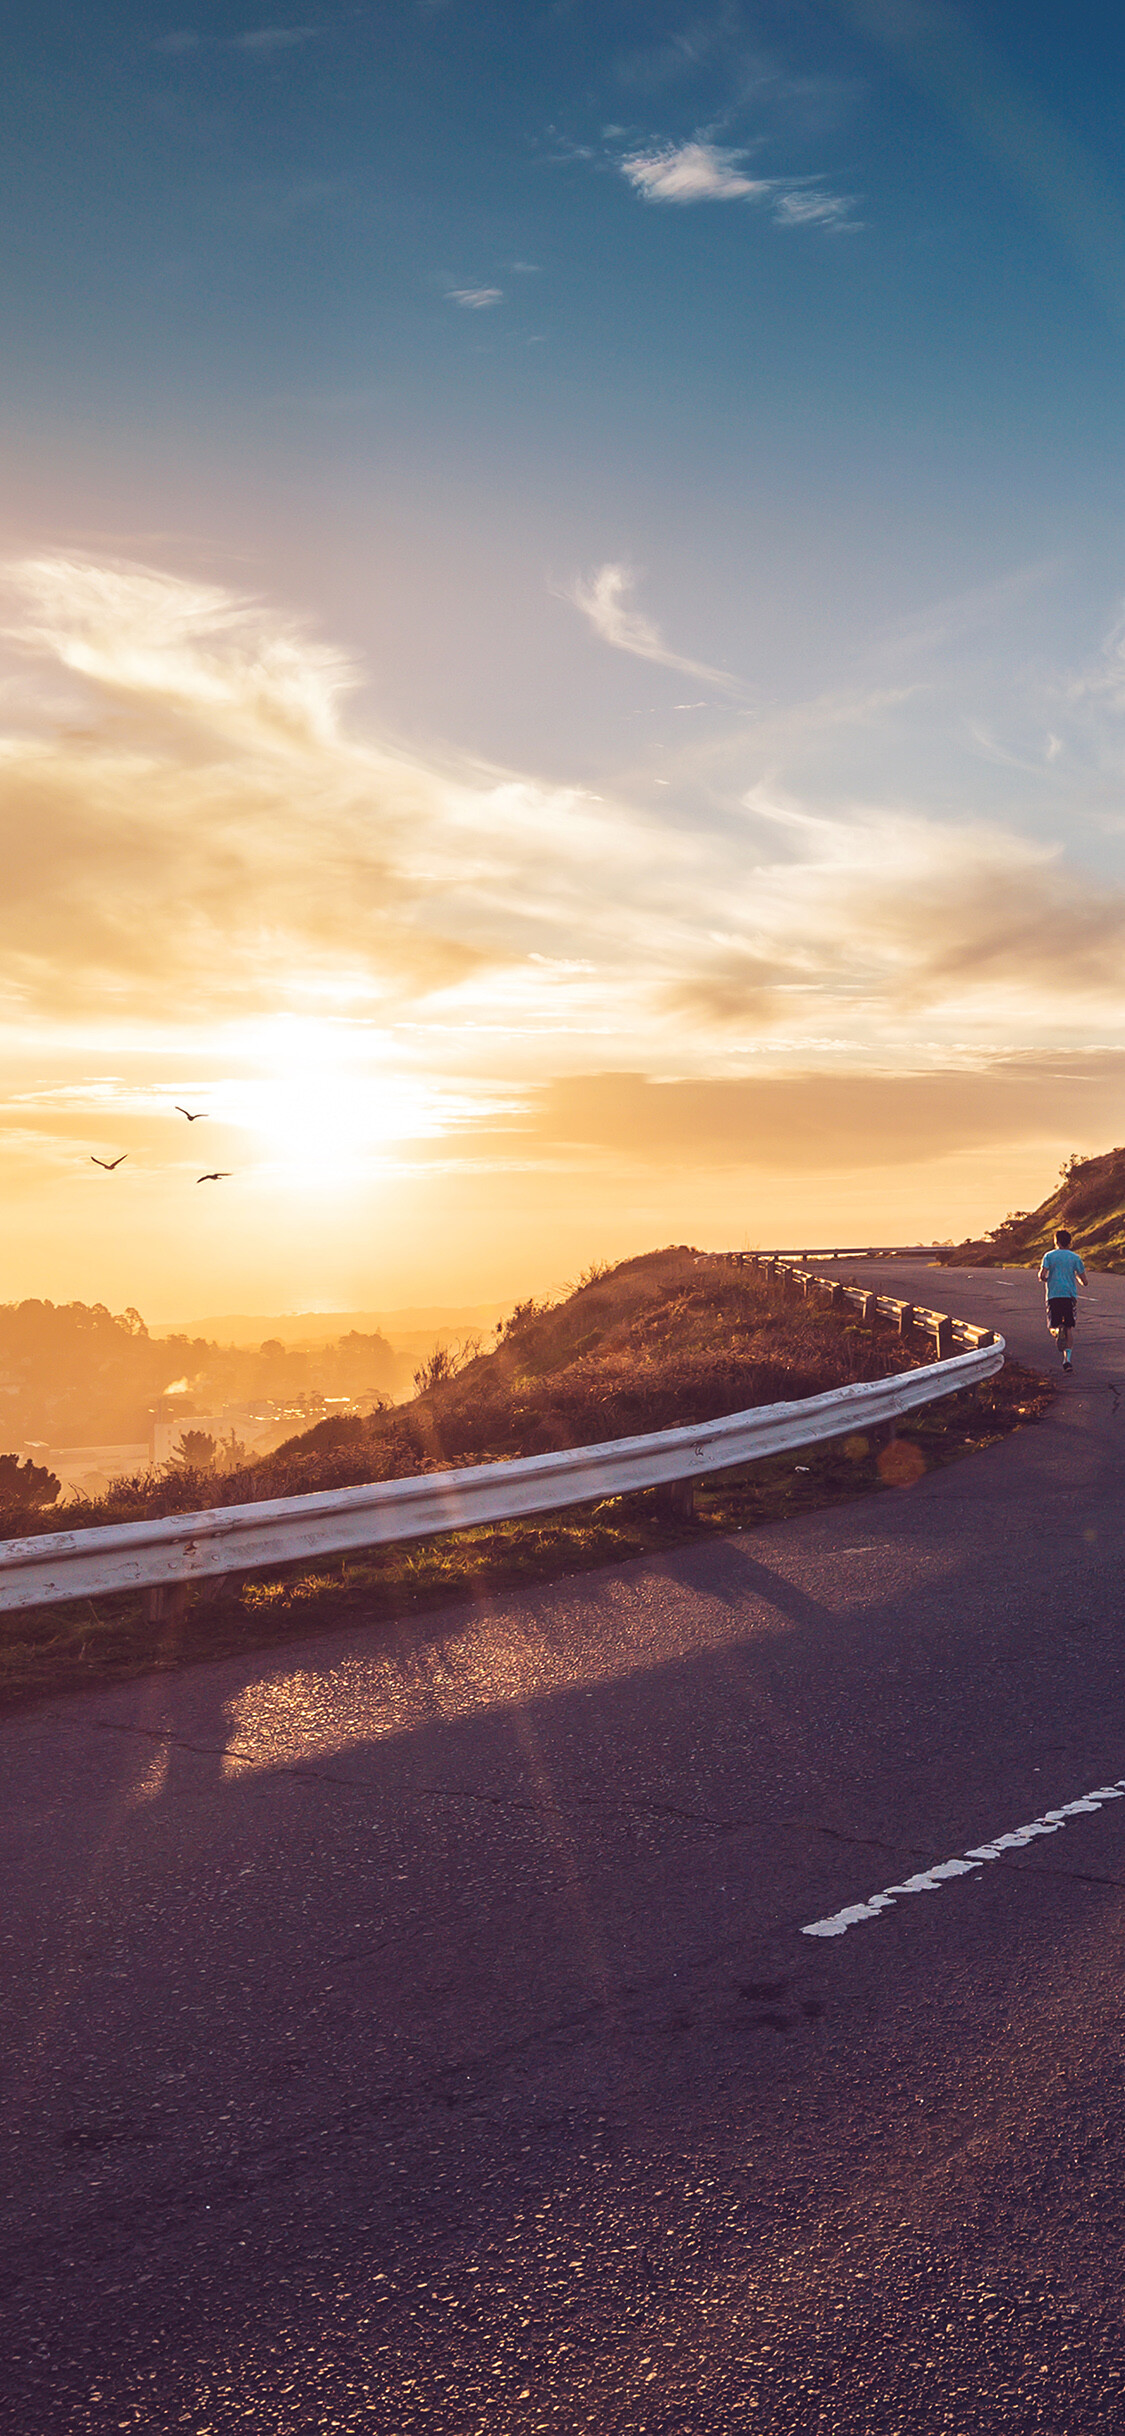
(417, 2031)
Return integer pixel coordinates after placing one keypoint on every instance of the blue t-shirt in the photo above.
(1060, 1269)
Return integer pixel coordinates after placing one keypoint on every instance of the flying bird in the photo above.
(216, 1175)
(192, 1119)
(110, 1164)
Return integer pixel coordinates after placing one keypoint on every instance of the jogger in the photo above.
(1062, 1271)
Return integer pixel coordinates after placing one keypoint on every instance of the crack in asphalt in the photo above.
(621, 1810)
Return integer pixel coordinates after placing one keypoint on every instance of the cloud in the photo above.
(186, 822)
(705, 172)
(889, 917)
(190, 827)
(809, 1122)
(603, 598)
(194, 830)
(263, 40)
(259, 42)
(810, 207)
(475, 300)
(698, 172)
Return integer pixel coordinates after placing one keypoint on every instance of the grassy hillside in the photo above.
(672, 1337)
(1089, 1199)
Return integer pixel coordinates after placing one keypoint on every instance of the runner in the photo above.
(1061, 1271)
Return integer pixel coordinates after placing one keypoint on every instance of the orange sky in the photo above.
(458, 1030)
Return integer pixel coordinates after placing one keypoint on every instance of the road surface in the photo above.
(419, 2031)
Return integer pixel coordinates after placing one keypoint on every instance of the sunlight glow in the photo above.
(324, 1110)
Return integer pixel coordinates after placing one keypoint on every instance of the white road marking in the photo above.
(925, 1880)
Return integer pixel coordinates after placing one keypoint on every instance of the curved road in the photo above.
(421, 2033)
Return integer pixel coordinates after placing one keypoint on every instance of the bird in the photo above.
(110, 1164)
(216, 1175)
(192, 1119)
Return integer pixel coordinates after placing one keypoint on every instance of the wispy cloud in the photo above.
(265, 39)
(887, 915)
(604, 598)
(475, 300)
(702, 171)
(808, 1122)
(811, 207)
(191, 823)
(261, 41)
(698, 172)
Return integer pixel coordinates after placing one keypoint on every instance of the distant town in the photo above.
(97, 1396)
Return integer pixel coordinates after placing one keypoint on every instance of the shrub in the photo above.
(23, 1483)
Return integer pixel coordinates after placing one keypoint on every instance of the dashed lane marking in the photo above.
(926, 1881)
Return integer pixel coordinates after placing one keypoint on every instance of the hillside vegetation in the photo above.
(1089, 1199)
(671, 1337)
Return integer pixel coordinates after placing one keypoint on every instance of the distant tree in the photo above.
(196, 1451)
(26, 1484)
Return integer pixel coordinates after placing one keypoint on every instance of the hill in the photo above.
(670, 1337)
(1089, 1199)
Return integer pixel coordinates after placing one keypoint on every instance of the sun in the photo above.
(325, 1106)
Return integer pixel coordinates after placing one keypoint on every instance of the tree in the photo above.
(196, 1451)
(26, 1484)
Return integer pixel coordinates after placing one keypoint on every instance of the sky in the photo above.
(562, 636)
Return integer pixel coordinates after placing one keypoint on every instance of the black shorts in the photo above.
(1062, 1311)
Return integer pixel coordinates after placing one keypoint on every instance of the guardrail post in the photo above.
(943, 1336)
(677, 1498)
(835, 1296)
(905, 1318)
(167, 1602)
(870, 1309)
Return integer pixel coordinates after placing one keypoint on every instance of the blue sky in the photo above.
(707, 414)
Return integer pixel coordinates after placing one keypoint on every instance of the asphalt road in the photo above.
(418, 2032)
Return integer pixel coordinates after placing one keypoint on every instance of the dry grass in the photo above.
(671, 1337)
(657, 1341)
(1090, 1200)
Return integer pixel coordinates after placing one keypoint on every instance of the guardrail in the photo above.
(847, 1251)
(907, 1317)
(168, 1554)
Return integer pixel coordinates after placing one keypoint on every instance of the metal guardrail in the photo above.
(907, 1317)
(167, 1554)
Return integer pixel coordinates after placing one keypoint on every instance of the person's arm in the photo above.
(1043, 1271)
(1081, 1275)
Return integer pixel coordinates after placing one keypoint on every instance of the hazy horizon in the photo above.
(562, 672)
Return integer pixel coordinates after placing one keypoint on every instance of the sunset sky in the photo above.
(563, 664)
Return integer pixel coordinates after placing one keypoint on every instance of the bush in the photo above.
(26, 1484)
